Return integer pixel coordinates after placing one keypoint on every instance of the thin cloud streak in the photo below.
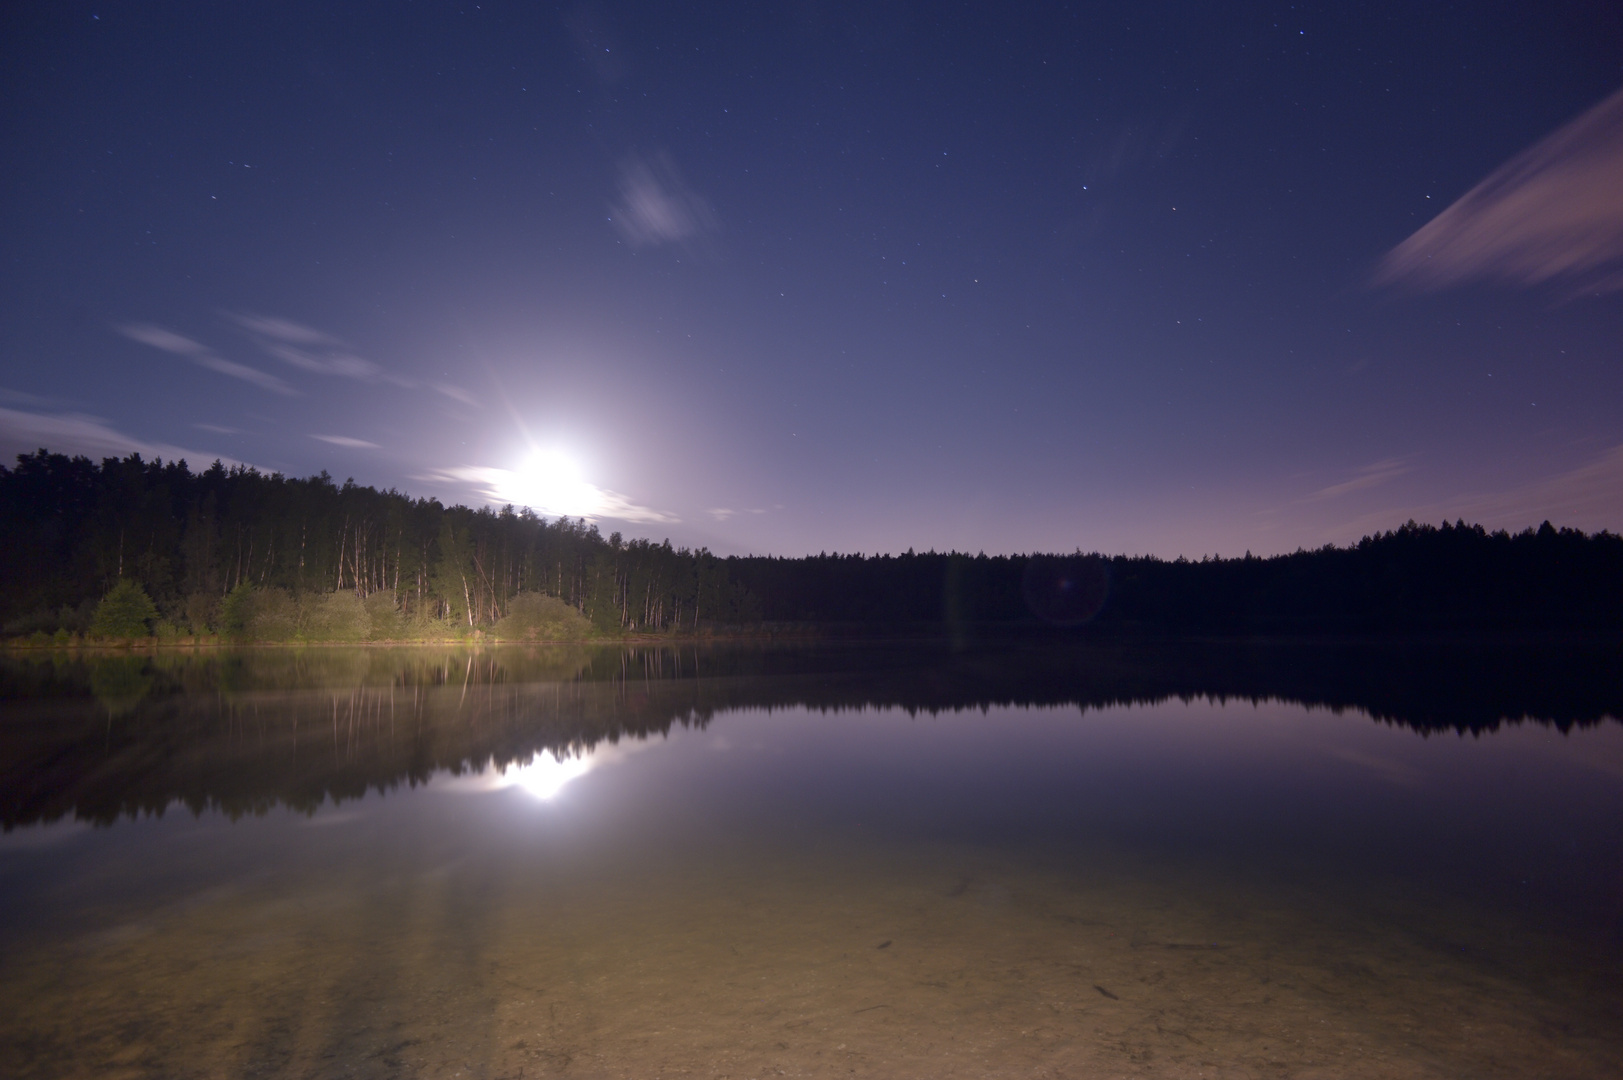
(722, 513)
(656, 207)
(313, 350)
(245, 373)
(341, 364)
(1589, 497)
(19, 397)
(78, 433)
(1554, 211)
(345, 440)
(1367, 477)
(201, 355)
(320, 353)
(455, 393)
(281, 329)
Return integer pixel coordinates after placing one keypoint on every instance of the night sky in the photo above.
(1160, 277)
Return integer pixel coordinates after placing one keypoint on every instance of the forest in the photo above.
(129, 548)
(236, 553)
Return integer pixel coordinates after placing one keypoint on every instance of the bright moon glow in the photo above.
(550, 483)
(543, 775)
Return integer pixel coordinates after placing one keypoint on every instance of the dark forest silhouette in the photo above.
(70, 529)
(239, 553)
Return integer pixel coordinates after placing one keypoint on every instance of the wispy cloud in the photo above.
(203, 356)
(345, 440)
(295, 344)
(1367, 477)
(455, 393)
(218, 429)
(550, 496)
(310, 349)
(1553, 212)
(656, 207)
(342, 364)
(19, 397)
(1587, 497)
(77, 433)
(319, 352)
(722, 513)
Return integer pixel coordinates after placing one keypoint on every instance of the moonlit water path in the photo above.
(1167, 888)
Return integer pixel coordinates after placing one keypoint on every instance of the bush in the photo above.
(534, 617)
(124, 612)
(383, 612)
(202, 611)
(250, 614)
(40, 621)
(333, 617)
(77, 619)
(274, 615)
(236, 610)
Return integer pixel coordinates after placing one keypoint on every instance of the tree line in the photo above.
(238, 553)
(226, 548)
(1416, 578)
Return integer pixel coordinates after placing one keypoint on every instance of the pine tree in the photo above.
(125, 612)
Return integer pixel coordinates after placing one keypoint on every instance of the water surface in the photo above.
(1202, 860)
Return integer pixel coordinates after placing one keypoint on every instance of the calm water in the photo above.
(1017, 861)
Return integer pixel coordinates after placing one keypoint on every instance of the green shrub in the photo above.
(125, 612)
(77, 619)
(333, 617)
(202, 611)
(35, 621)
(250, 614)
(387, 624)
(236, 611)
(274, 615)
(535, 617)
(420, 626)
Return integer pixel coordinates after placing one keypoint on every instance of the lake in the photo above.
(1013, 859)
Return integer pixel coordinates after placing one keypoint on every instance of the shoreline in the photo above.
(953, 639)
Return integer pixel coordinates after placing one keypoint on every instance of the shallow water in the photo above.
(1015, 861)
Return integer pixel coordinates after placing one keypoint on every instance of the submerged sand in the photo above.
(953, 961)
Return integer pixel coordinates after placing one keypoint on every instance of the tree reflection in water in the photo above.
(99, 736)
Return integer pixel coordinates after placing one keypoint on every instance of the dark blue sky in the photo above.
(855, 277)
